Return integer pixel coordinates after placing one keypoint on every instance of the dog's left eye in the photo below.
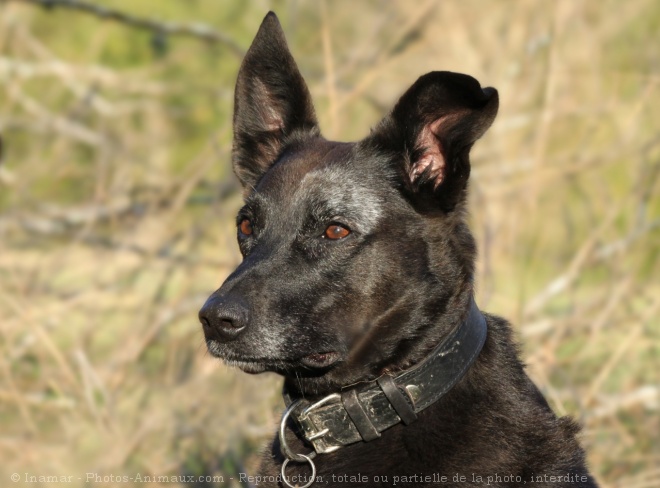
(245, 227)
(336, 231)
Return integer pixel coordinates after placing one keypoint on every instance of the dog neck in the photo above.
(361, 412)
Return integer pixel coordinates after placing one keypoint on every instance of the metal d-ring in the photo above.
(289, 454)
(286, 450)
(307, 459)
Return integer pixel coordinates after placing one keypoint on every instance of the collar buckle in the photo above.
(312, 432)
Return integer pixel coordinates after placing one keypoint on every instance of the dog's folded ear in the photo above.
(432, 128)
(271, 104)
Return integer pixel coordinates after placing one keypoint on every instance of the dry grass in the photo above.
(117, 208)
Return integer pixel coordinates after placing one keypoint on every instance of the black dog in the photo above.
(357, 287)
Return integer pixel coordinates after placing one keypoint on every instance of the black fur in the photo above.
(327, 314)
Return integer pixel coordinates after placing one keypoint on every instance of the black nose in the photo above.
(223, 319)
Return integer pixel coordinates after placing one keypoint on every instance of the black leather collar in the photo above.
(362, 413)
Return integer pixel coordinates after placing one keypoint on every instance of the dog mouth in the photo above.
(252, 367)
(320, 360)
(315, 363)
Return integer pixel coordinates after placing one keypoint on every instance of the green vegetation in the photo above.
(117, 208)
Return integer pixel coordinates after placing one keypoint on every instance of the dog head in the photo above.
(357, 258)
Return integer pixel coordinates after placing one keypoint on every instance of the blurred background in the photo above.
(117, 206)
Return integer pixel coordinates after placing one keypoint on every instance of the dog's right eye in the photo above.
(336, 232)
(245, 227)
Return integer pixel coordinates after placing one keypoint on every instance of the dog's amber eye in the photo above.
(245, 227)
(336, 231)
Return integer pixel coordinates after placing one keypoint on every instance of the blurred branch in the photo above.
(329, 68)
(583, 256)
(90, 96)
(62, 222)
(607, 250)
(160, 29)
(647, 395)
(58, 123)
(12, 68)
(399, 44)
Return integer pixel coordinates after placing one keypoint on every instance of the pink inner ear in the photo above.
(432, 158)
(272, 120)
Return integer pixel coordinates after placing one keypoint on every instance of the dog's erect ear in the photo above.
(433, 126)
(271, 103)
